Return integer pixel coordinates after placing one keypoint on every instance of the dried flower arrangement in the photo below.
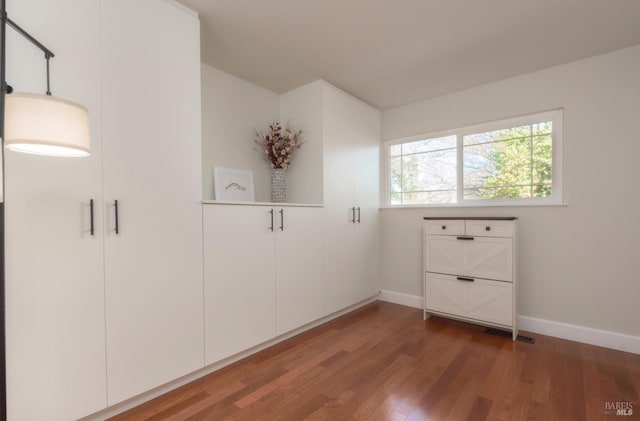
(279, 145)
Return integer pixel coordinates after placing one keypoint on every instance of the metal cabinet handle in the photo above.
(487, 228)
(444, 227)
(358, 214)
(115, 205)
(281, 219)
(91, 217)
(353, 215)
(464, 238)
(462, 278)
(271, 213)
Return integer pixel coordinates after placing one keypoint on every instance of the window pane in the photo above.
(541, 128)
(444, 196)
(498, 170)
(396, 198)
(504, 192)
(429, 171)
(395, 174)
(395, 150)
(447, 142)
(497, 135)
(542, 159)
(541, 190)
(478, 164)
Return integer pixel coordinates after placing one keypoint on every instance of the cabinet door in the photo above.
(239, 287)
(444, 293)
(300, 291)
(339, 199)
(54, 267)
(445, 254)
(490, 301)
(366, 156)
(152, 167)
(490, 258)
(366, 254)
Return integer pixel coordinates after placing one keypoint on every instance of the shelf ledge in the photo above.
(278, 204)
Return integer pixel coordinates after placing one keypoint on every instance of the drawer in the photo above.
(477, 299)
(489, 228)
(445, 227)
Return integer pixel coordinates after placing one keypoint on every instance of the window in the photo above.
(507, 162)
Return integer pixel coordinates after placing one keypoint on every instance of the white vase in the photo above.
(278, 185)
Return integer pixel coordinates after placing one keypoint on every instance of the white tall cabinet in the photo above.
(152, 167)
(344, 134)
(351, 144)
(95, 319)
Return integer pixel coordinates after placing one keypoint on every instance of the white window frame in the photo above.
(557, 193)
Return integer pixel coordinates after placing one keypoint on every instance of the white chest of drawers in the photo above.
(470, 270)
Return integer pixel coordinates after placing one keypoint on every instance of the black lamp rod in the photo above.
(3, 345)
(4, 21)
(47, 52)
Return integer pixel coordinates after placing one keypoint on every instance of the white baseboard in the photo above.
(161, 390)
(408, 300)
(603, 338)
(587, 335)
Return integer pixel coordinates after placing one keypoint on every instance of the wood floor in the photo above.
(383, 362)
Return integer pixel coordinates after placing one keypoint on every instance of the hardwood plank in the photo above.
(172, 410)
(383, 362)
(480, 409)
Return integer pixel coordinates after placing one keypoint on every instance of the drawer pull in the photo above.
(462, 278)
(271, 214)
(487, 228)
(465, 238)
(281, 219)
(91, 210)
(444, 227)
(115, 206)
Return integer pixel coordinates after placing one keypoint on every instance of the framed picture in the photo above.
(233, 185)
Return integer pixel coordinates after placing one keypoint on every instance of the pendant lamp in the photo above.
(46, 125)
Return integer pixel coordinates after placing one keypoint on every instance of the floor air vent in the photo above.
(506, 334)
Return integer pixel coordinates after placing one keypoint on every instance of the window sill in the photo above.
(475, 205)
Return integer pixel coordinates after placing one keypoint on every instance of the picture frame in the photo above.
(233, 185)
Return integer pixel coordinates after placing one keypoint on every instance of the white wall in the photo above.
(578, 263)
(232, 110)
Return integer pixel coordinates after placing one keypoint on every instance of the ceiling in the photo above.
(392, 52)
